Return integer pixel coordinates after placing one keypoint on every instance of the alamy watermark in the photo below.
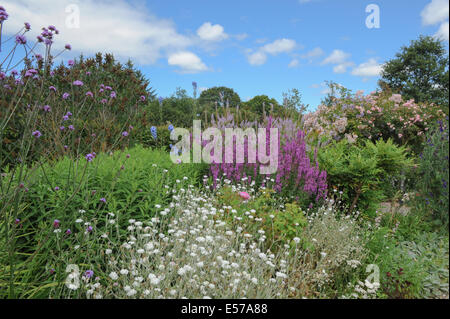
(212, 146)
(373, 19)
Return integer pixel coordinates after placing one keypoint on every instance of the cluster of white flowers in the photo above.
(194, 254)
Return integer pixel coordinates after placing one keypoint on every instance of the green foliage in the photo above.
(98, 121)
(281, 223)
(162, 140)
(433, 176)
(219, 95)
(131, 185)
(420, 71)
(359, 170)
(262, 106)
(414, 268)
(292, 100)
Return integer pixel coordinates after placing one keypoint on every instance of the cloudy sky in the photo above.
(253, 46)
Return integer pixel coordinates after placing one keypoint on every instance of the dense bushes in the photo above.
(377, 115)
(360, 171)
(433, 174)
(126, 184)
(89, 105)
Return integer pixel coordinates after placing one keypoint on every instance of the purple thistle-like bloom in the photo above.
(69, 113)
(89, 93)
(36, 134)
(65, 118)
(142, 98)
(17, 221)
(62, 128)
(89, 157)
(52, 27)
(48, 42)
(27, 26)
(14, 73)
(89, 273)
(104, 101)
(89, 229)
(68, 47)
(40, 38)
(21, 39)
(78, 83)
(125, 133)
(52, 88)
(3, 14)
(103, 200)
(56, 223)
(108, 88)
(71, 127)
(2, 75)
(57, 188)
(71, 63)
(47, 108)
(30, 72)
(65, 96)
(68, 231)
(113, 95)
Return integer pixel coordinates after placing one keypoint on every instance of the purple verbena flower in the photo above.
(89, 157)
(36, 134)
(21, 39)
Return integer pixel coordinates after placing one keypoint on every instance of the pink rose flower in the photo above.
(244, 195)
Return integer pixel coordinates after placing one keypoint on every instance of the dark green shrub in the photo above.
(104, 97)
(358, 170)
(433, 175)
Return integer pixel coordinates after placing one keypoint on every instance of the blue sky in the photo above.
(254, 47)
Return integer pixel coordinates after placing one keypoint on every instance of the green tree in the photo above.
(335, 91)
(292, 100)
(419, 71)
(220, 95)
(261, 103)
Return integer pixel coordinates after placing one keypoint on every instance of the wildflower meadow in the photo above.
(99, 201)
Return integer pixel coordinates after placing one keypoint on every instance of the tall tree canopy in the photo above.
(419, 71)
(220, 95)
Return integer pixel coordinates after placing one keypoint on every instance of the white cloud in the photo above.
(125, 29)
(442, 33)
(209, 32)
(274, 48)
(368, 69)
(279, 46)
(342, 67)
(336, 57)
(316, 52)
(294, 63)
(257, 58)
(187, 61)
(435, 12)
